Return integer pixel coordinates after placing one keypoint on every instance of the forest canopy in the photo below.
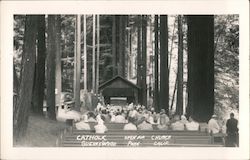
(120, 34)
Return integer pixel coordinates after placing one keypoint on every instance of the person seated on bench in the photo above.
(82, 125)
(155, 116)
(130, 125)
(112, 115)
(184, 119)
(164, 122)
(177, 125)
(150, 118)
(213, 126)
(100, 127)
(145, 125)
(119, 118)
(192, 125)
(139, 115)
(91, 117)
(163, 114)
(106, 115)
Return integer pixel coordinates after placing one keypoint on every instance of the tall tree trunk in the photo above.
(156, 59)
(200, 67)
(164, 80)
(77, 60)
(173, 96)
(21, 113)
(171, 45)
(51, 66)
(117, 20)
(139, 57)
(97, 53)
(114, 45)
(121, 67)
(39, 83)
(144, 60)
(93, 56)
(84, 53)
(16, 86)
(58, 61)
(179, 102)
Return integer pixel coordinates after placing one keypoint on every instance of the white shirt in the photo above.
(100, 128)
(129, 126)
(120, 119)
(177, 126)
(145, 126)
(213, 126)
(82, 126)
(192, 126)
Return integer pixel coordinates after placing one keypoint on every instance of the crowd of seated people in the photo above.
(135, 117)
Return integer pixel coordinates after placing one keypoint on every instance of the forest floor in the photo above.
(41, 132)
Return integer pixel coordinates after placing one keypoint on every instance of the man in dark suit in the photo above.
(232, 132)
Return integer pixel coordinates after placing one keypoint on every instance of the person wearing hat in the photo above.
(145, 125)
(130, 125)
(232, 131)
(192, 125)
(164, 122)
(100, 127)
(184, 119)
(91, 117)
(213, 126)
(177, 125)
(83, 125)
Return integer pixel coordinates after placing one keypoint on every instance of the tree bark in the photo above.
(156, 59)
(21, 113)
(93, 55)
(98, 52)
(51, 66)
(200, 67)
(85, 56)
(58, 61)
(179, 102)
(173, 96)
(144, 60)
(164, 80)
(39, 84)
(139, 57)
(121, 67)
(77, 59)
(114, 45)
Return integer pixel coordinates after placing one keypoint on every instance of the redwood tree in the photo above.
(38, 90)
(51, 66)
(139, 55)
(21, 112)
(200, 67)
(164, 81)
(144, 61)
(179, 102)
(58, 61)
(121, 66)
(156, 59)
(114, 44)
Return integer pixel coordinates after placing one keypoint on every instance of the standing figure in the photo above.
(232, 132)
(213, 126)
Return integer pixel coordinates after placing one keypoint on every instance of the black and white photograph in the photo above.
(110, 81)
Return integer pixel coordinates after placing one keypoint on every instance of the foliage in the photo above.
(19, 23)
(226, 57)
(226, 64)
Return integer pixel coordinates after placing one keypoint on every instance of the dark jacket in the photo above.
(232, 126)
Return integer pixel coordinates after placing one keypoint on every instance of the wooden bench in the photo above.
(120, 126)
(120, 138)
(117, 137)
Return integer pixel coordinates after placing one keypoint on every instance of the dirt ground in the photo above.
(41, 132)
